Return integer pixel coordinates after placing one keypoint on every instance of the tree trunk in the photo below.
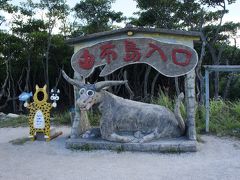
(127, 85)
(216, 85)
(153, 84)
(28, 73)
(14, 105)
(146, 81)
(177, 86)
(47, 61)
(227, 87)
(200, 85)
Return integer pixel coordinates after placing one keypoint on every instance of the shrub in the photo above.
(94, 117)
(164, 100)
(63, 118)
(224, 118)
(224, 115)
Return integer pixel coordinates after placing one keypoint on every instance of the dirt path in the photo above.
(217, 158)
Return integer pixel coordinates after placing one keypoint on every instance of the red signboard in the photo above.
(171, 60)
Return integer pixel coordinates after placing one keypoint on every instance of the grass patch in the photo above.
(225, 118)
(164, 100)
(120, 149)
(85, 147)
(62, 118)
(224, 115)
(20, 141)
(94, 118)
(21, 121)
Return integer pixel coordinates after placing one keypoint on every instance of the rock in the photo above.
(2, 116)
(11, 115)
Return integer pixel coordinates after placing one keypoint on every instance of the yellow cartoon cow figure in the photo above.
(39, 115)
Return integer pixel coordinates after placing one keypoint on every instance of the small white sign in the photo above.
(39, 122)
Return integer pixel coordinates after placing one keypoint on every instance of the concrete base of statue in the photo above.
(172, 145)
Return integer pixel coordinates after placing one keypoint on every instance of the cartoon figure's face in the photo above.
(55, 94)
(40, 95)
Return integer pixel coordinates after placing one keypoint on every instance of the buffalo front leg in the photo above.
(118, 138)
(150, 136)
(108, 132)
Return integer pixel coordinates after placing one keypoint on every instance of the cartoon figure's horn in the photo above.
(102, 84)
(72, 81)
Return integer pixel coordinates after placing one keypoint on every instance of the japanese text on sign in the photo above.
(169, 59)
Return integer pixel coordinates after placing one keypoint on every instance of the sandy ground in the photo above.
(217, 158)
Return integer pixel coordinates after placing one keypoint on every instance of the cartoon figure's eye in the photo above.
(82, 90)
(90, 92)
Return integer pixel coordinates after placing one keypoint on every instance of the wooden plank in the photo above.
(207, 98)
(223, 68)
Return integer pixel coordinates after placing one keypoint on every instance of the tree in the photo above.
(26, 27)
(5, 6)
(96, 16)
(11, 49)
(56, 10)
(23, 53)
(216, 36)
(157, 13)
(191, 15)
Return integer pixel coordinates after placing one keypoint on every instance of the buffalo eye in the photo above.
(90, 92)
(82, 91)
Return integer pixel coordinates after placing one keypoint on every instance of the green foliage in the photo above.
(94, 118)
(225, 118)
(120, 149)
(215, 3)
(20, 141)
(56, 9)
(62, 118)
(224, 115)
(158, 13)
(21, 121)
(165, 100)
(97, 15)
(200, 119)
(85, 147)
